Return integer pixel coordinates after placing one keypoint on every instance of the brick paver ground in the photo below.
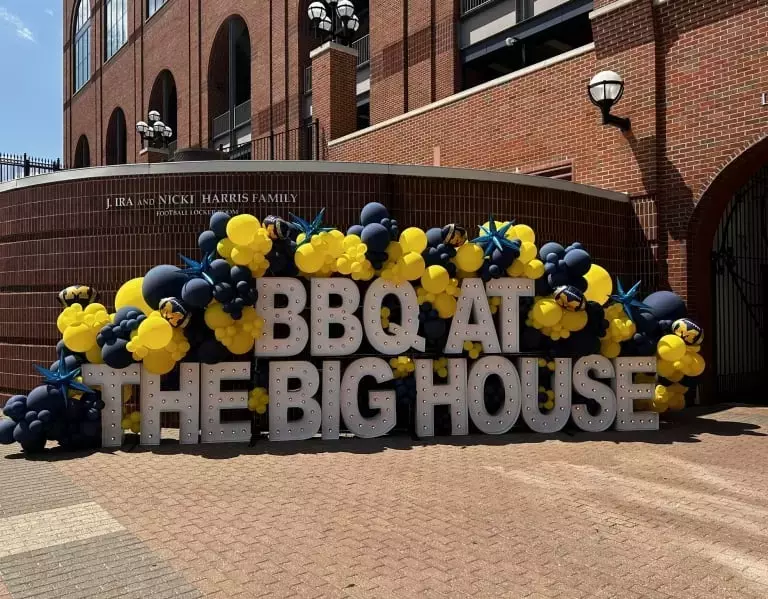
(678, 513)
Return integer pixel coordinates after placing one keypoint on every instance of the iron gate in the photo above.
(740, 288)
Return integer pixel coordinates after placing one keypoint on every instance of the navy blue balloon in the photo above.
(70, 363)
(207, 241)
(579, 282)
(578, 262)
(646, 322)
(22, 434)
(218, 224)
(44, 397)
(373, 212)
(30, 417)
(665, 305)
(36, 427)
(15, 409)
(375, 237)
(434, 329)
(161, 282)
(434, 237)
(241, 273)
(355, 230)
(115, 355)
(197, 293)
(557, 279)
(90, 429)
(220, 271)
(6, 432)
(551, 248)
(211, 351)
(45, 415)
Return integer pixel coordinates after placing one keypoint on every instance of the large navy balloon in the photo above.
(665, 305)
(373, 212)
(218, 224)
(161, 282)
(115, 355)
(376, 237)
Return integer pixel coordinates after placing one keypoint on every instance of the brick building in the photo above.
(488, 84)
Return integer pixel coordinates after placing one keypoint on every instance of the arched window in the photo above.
(165, 100)
(117, 145)
(82, 44)
(153, 6)
(82, 153)
(116, 14)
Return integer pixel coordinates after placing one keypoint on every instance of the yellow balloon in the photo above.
(241, 229)
(80, 338)
(665, 369)
(94, 355)
(309, 259)
(435, 279)
(241, 343)
(546, 313)
(524, 233)
(697, 365)
(412, 266)
(241, 254)
(155, 333)
(413, 239)
(159, 362)
(534, 269)
(130, 295)
(224, 247)
(599, 285)
(671, 348)
(516, 270)
(527, 252)
(574, 321)
(469, 257)
(394, 251)
(445, 305)
(216, 318)
(610, 349)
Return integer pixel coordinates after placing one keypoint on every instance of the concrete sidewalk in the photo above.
(678, 513)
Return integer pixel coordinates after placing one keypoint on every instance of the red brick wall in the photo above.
(180, 38)
(334, 73)
(694, 74)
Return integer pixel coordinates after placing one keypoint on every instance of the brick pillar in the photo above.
(334, 89)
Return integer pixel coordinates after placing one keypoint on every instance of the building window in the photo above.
(117, 144)
(82, 44)
(154, 5)
(117, 25)
(82, 153)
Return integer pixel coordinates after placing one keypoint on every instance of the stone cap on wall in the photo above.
(309, 166)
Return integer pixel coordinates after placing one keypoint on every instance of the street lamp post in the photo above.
(605, 90)
(154, 134)
(334, 20)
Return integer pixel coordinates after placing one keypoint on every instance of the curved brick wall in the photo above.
(57, 230)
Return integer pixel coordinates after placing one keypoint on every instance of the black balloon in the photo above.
(207, 241)
(220, 271)
(218, 224)
(115, 355)
(161, 282)
(665, 305)
(197, 293)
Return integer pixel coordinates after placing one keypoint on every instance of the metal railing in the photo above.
(468, 6)
(363, 47)
(242, 117)
(302, 143)
(14, 166)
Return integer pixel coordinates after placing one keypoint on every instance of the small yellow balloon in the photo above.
(546, 313)
(155, 333)
(445, 305)
(599, 285)
(242, 255)
(610, 349)
(216, 318)
(522, 232)
(412, 266)
(80, 338)
(435, 279)
(413, 239)
(469, 257)
(93, 355)
(159, 362)
(574, 321)
(697, 365)
(309, 258)
(534, 269)
(241, 343)
(528, 252)
(241, 229)
(671, 348)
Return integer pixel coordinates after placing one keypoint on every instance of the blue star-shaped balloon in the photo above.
(309, 229)
(63, 379)
(628, 299)
(196, 269)
(495, 239)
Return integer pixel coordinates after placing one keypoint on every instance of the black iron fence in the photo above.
(15, 166)
(302, 143)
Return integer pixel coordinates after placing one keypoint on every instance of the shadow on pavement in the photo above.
(684, 427)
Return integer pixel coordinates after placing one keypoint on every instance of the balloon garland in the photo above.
(207, 310)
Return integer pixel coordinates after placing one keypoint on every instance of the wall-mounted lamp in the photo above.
(605, 91)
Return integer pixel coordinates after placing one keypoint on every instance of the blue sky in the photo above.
(31, 111)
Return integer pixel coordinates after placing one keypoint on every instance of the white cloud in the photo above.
(21, 30)
(49, 11)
